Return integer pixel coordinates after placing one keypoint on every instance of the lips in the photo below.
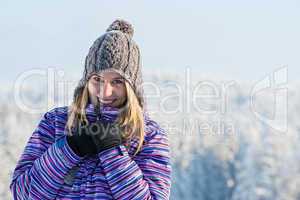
(107, 101)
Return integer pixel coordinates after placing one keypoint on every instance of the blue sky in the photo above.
(237, 39)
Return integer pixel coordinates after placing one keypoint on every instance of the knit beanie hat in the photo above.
(115, 50)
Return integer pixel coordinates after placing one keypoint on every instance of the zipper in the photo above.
(97, 110)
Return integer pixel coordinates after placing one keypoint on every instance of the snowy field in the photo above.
(230, 139)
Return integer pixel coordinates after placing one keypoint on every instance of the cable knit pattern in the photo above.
(48, 169)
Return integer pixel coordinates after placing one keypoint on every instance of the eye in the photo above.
(117, 82)
(96, 79)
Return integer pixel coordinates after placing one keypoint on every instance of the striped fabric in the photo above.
(49, 169)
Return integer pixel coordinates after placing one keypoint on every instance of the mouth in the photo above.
(107, 101)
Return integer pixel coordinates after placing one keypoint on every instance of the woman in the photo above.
(104, 146)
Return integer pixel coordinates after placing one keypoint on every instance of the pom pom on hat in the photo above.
(123, 26)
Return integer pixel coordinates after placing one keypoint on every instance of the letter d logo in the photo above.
(277, 83)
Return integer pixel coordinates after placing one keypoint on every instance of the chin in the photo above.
(120, 104)
(114, 104)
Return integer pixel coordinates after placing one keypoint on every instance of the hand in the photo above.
(105, 135)
(94, 138)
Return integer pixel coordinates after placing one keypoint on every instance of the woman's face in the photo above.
(107, 87)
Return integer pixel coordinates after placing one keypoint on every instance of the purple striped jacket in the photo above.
(49, 169)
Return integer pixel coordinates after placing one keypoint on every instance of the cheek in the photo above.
(122, 97)
(93, 90)
(122, 92)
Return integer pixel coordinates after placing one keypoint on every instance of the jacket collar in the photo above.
(103, 113)
(106, 113)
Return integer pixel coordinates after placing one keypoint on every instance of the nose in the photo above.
(107, 90)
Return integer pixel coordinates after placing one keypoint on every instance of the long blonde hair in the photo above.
(131, 118)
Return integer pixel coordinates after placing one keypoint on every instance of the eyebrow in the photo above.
(114, 78)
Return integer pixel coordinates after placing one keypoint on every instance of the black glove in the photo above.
(94, 138)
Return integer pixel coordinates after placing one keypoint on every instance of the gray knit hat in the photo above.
(115, 50)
